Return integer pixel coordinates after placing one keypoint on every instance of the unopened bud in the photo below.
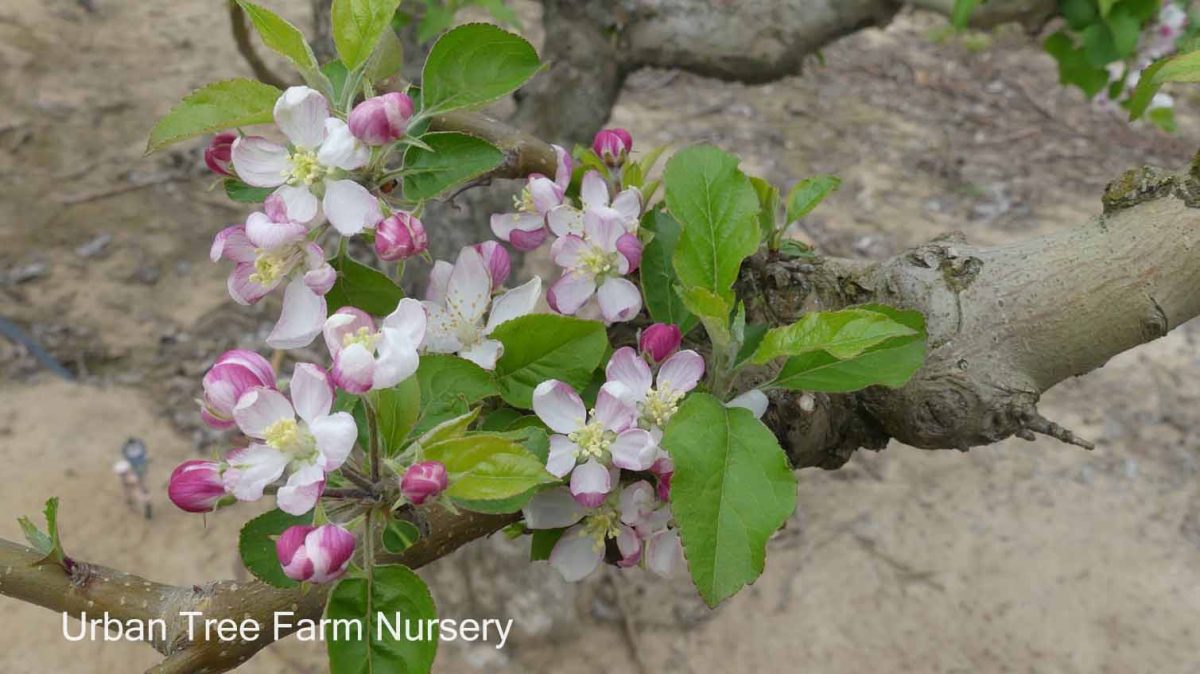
(381, 119)
(612, 146)
(316, 554)
(196, 487)
(234, 373)
(219, 152)
(400, 237)
(660, 340)
(423, 480)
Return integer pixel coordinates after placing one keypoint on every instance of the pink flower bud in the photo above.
(423, 480)
(631, 247)
(219, 152)
(400, 237)
(660, 340)
(663, 469)
(234, 373)
(316, 554)
(196, 487)
(613, 146)
(496, 259)
(382, 119)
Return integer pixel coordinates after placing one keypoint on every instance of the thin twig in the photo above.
(241, 36)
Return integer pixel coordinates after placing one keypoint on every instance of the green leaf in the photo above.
(768, 207)
(281, 36)
(337, 74)
(256, 544)
(731, 490)
(808, 193)
(396, 595)
(487, 470)
(48, 542)
(1079, 13)
(360, 286)
(243, 193)
(37, 538)
(717, 206)
(1074, 66)
(396, 412)
(1163, 118)
(474, 64)
(960, 15)
(449, 386)
(438, 17)
(539, 347)
(357, 27)
(399, 535)
(390, 58)
(455, 159)
(842, 334)
(658, 273)
(889, 363)
(215, 107)
(541, 543)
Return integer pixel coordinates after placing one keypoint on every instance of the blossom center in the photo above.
(287, 436)
(270, 267)
(364, 337)
(305, 169)
(524, 202)
(593, 440)
(596, 262)
(660, 404)
(602, 525)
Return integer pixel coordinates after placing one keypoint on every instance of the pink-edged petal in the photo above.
(527, 240)
(252, 469)
(439, 280)
(564, 167)
(614, 409)
(619, 300)
(470, 289)
(590, 484)
(602, 229)
(398, 359)
(681, 372)
(753, 400)
(300, 203)
(504, 224)
(231, 243)
(562, 456)
(514, 303)
(289, 548)
(575, 556)
(552, 509)
(301, 319)
(409, 321)
(628, 368)
(300, 114)
(593, 190)
(259, 162)
(344, 323)
(636, 501)
(260, 367)
(565, 219)
(545, 194)
(567, 251)
(341, 148)
(633, 449)
(354, 369)
(629, 205)
(259, 408)
(242, 289)
(330, 548)
(303, 489)
(335, 436)
(320, 279)
(559, 406)
(630, 248)
(484, 353)
(312, 392)
(350, 207)
(570, 292)
(664, 551)
(630, 547)
(264, 233)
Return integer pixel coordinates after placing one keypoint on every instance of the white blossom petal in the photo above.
(570, 292)
(252, 469)
(341, 148)
(664, 552)
(562, 456)
(350, 207)
(631, 370)
(354, 369)
(753, 400)
(302, 490)
(300, 114)
(484, 353)
(302, 205)
(681, 372)
(593, 190)
(575, 556)
(559, 406)
(634, 449)
(552, 509)
(335, 436)
(312, 392)
(614, 410)
(619, 300)
(514, 303)
(258, 408)
(470, 288)
(398, 359)
(259, 162)
(301, 320)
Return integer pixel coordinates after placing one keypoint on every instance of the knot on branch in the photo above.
(1136, 186)
(958, 270)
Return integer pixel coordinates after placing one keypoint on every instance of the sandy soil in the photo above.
(1030, 557)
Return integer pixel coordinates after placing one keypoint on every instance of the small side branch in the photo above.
(240, 26)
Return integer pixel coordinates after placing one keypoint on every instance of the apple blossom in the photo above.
(196, 486)
(400, 236)
(219, 152)
(315, 554)
(595, 264)
(311, 172)
(233, 374)
(659, 341)
(656, 398)
(612, 145)
(460, 297)
(365, 358)
(380, 120)
(306, 448)
(626, 208)
(525, 228)
(423, 480)
(268, 250)
(585, 445)
(497, 261)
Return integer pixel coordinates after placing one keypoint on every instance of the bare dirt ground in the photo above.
(1021, 557)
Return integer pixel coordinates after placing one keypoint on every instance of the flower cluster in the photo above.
(1160, 38)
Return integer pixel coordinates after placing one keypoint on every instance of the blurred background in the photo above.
(1029, 557)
